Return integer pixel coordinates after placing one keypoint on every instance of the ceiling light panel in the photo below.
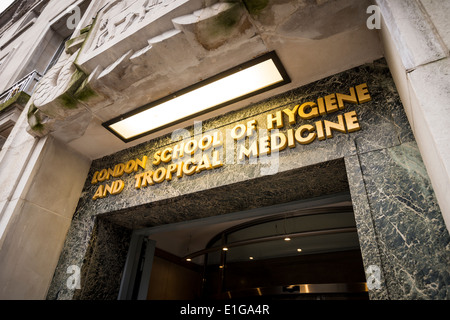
(261, 74)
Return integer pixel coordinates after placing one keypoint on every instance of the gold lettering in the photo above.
(171, 169)
(329, 126)
(178, 151)
(217, 142)
(351, 120)
(159, 175)
(118, 170)
(187, 168)
(321, 105)
(166, 155)
(274, 141)
(110, 173)
(278, 141)
(216, 163)
(147, 179)
(141, 163)
(330, 103)
(290, 138)
(308, 115)
(180, 170)
(191, 146)
(238, 132)
(138, 179)
(291, 114)
(94, 178)
(363, 93)
(103, 175)
(205, 145)
(275, 122)
(264, 145)
(319, 129)
(107, 189)
(204, 164)
(251, 152)
(98, 193)
(129, 167)
(251, 128)
(341, 98)
(157, 157)
(117, 187)
(309, 138)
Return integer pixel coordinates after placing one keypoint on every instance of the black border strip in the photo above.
(270, 55)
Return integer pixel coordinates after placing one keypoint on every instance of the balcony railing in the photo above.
(26, 84)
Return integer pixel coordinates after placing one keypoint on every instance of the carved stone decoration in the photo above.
(56, 98)
(18, 9)
(53, 94)
(216, 25)
(120, 15)
(124, 25)
(115, 15)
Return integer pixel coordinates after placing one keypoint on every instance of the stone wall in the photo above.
(416, 44)
(400, 226)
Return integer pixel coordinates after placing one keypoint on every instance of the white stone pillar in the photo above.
(416, 38)
(41, 181)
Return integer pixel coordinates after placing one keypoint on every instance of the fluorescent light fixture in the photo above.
(253, 77)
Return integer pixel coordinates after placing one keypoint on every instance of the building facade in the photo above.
(330, 182)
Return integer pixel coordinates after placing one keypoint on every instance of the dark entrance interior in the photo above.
(299, 254)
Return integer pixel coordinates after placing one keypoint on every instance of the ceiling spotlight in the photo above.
(299, 250)
(225, 249)
(287, 239)
(251, 258)
(189, 259)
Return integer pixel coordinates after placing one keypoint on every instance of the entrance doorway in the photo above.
(290, 251)
(311, 205)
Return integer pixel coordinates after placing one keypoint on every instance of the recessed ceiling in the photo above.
(186, 238)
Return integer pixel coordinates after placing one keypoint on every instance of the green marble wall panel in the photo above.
(411, 234)
(365, 225)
